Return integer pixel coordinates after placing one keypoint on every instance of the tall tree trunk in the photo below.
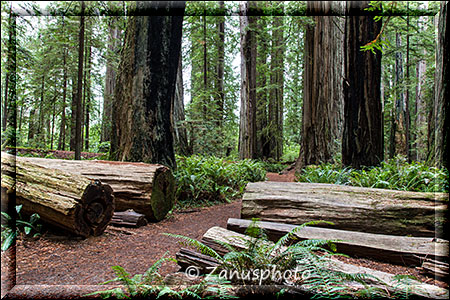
(180, 132)
(87, 101)
(247, 127)
(40, 128)
(114, 36)
(79, 108)
(400, 102)
(220, 99)
(205, 102)
(407, 110)
(263, 38)
(73, 109)
(439, 135)
(10, 113)
(145, 90)
(419, 138)
(276, 92)
(363, 132)
(323, 90)
(62, 128)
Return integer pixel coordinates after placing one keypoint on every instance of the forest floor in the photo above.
(58, 260)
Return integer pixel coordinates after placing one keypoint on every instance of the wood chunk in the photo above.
(128, 218)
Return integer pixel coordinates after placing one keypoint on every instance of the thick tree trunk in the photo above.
(147, 189)
(145, 88)
(215, 237)
(263, 39)
(323, 91)
(399, 140)
(393, 249)
(247, 127)
(362, 143)
(349, 208)
(71, 202)
(439, 127)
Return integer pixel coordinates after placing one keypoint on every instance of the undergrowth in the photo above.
(394, 174)
(310, 271)
(207, 180)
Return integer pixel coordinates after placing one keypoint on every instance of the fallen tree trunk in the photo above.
(71, 202)
(216, 236)
(435, 268)
(393, 249)
(128, 218)
(187, 258)
(349, 208)
(148, 189)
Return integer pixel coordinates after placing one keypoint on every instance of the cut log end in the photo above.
(163, 193)
(98, 207)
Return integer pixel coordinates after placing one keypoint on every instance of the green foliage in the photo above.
(151, 285)
(211, 179)
(394, 174)
(311, 271)
(14, 226)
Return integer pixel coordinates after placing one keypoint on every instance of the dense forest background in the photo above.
(292, 56)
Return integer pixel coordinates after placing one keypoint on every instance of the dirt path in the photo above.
(82, 262)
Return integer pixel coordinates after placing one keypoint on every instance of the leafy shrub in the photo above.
(12, 228)
(394, 174)
(272, 166)
(210, 179)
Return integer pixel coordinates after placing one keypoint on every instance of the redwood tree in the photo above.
(362, 143)
(247, 128)
(323, 95)
(142, 127)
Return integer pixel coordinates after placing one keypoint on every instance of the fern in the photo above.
(187, 241)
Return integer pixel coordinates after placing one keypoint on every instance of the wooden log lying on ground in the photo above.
(435, 268)
(217, 235)
(71, 202)
(148, 189)
(349, 208)
(128, 218)
(187, 258)
(389, 248)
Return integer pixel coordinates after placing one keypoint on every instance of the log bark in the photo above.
(186, 258)
(435, 268)
(128, 218)
(148, 189)
(388, 248)
(216, 235)
(349, 208)
(71, 202)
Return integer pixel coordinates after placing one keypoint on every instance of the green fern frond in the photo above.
(196, 244)
(292, 235)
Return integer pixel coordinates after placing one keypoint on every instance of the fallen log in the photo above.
(349, 208)
(216, 236)
(435, 268)
(128, 218)
(187, 258)
(72, 202)
(148, 189)
(393, 249)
